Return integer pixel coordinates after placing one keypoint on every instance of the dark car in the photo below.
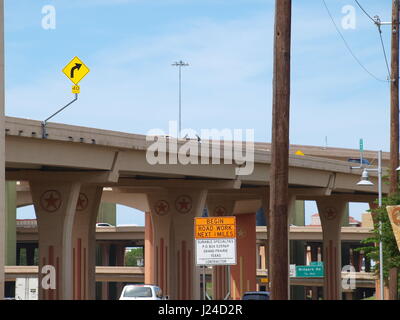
(358, 160)
(256, 295)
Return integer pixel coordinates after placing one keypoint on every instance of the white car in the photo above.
(141, 292)
(103, 224)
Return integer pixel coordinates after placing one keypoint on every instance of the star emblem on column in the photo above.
(183, 204)
(161, 207)
(241, 233)
(82, 203)
(330, 213)
(220, 211)
(50, 200)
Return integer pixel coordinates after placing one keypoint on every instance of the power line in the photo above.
(376, 20)
(365, 12)
(383, 47)
(348, 46)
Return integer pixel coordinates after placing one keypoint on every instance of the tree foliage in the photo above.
(391, 252)
(133, 256)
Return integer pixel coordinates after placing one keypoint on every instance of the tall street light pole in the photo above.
(365, 182)
(279, 178)
(180, 64)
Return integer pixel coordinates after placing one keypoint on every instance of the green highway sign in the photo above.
(316, 263)
(314, 271)
(361, 145)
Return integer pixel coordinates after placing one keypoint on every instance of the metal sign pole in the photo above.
(204, 283)
(44, 123)
(227, 297)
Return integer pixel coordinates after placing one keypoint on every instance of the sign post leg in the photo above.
(228, 295)
(204, 282)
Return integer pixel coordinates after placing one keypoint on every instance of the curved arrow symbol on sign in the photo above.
(77, 66)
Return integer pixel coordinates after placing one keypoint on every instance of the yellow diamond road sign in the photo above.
(76, 70)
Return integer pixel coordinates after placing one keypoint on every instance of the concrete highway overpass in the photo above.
(75, 166)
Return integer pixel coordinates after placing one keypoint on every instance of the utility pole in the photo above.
(279, 191)
(394, 127)
(394, 99)
(180, 64)
(2, 154)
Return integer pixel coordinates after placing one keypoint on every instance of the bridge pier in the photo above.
(66, 217)
(105, 261)
(172, 214)
(55, 206)
(84, 243)
(244, 274)
(331, 211)
(148, 250)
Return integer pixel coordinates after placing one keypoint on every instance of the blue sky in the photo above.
(129, 46)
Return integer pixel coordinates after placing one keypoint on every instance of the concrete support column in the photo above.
(314, 257)
(356, 260)
(243, 275)
(120, 255)
(105, 261)
(258, 256)
(331, 213)
(30, 255)
(314, 293)
(11, 216)
(55, 206)
(349, 295)
(84, 243)
(120, 261)
(172, 213)
(314, 251)
(18, 257)
(220, 282)
(148, 250)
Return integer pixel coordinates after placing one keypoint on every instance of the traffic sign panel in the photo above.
(76, 89)
(292, 270)
(211, 252)
(76, 70)
(215, 240)
(310, 271)
(215, 228)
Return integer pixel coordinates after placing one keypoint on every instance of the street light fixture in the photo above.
(366, 182)
(365, 179)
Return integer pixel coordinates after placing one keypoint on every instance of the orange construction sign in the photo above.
(215, 228)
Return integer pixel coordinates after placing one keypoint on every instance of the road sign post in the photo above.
(75, 71)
